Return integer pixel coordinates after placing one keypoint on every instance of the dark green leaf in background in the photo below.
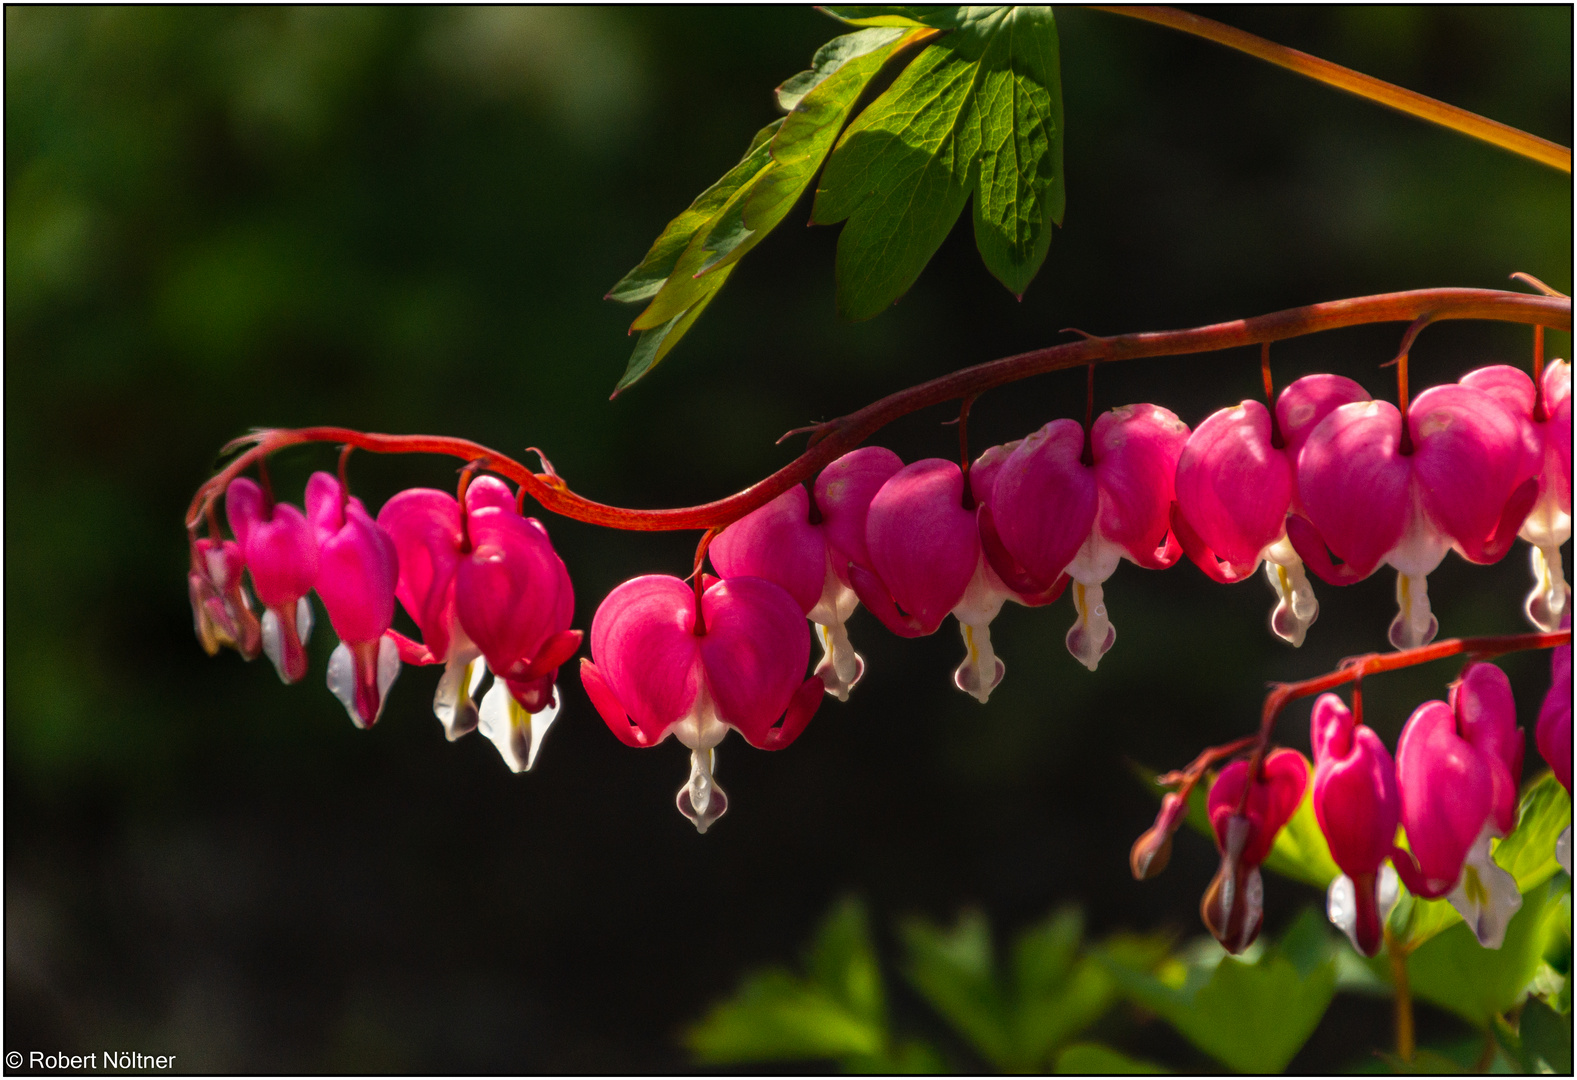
(978, 112)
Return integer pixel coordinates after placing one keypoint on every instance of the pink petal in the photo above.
(1468, 456)
(755, 650)
(1447, 792)
(1354, 484)
(844, 491)
(1233, 487)
(1044, 500)
(1136, 450)
(922, 542)
(1305, 403)
(1487, 719)
(425, 527)
(645, 652)
(776, 542)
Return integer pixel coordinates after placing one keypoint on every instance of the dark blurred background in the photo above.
(404, 220)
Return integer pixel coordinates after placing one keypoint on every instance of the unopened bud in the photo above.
(1153, 850)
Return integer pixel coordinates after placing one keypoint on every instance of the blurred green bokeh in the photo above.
(404, 220)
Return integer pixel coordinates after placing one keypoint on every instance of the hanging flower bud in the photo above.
(1059, 509)
(1357, 805)
(1554, 733)
(922, 546)
(806, 546)
(357, 572)
(1234, 905)
(1153, 850)
(1236, 481)
(1457, 767)
(1465, 485)
(513, 598)
(221, 611)
(655, 670)
(282, 557)
(1547, 429)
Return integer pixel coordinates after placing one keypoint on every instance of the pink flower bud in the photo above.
(652, 675)
(1357, 805)
(357, 572)
(221, 612)
(1464, 486)
(282, 557)
(1233, 905)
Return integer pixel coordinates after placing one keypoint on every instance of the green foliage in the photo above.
(1252, 1016)
(836, 1011)
(1455, 972)
(1528, 855)
(1015, 1019)
(1093, 1059)
(978, 110)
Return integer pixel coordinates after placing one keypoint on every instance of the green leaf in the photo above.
(800, 146)
(778, 1017)
(697, 251)
(643, 282)
(1546, 1038)
(1252, 1017)
(838, 1012)
(656, 343)
(842, 962)
(1093, 1059)
(979, 112)
(954, 971)
(1457, 973)
(1528, 854)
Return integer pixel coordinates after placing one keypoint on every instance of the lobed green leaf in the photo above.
(1093, 1059)
(979, 111)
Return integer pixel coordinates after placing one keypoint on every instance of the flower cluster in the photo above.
(1451, 788)
(482, 584)
(1327, 480)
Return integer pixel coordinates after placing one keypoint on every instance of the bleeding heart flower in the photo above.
(357, 572)
(1236, 482)
(433, 540)
(1547, 428)
(1057, 509)
(1465, 485)
(1234, 905)
(282, 556)
(806, 547)
(1457, 766)
(655, 671)
(514, 600)
(221, 611)
(988, 589)
(1357, 805)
